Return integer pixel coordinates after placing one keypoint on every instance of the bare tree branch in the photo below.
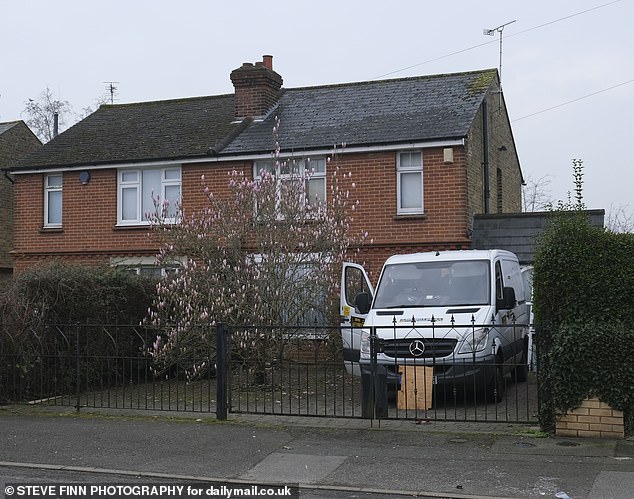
(536, 194)
(41, 112)
(620, 219)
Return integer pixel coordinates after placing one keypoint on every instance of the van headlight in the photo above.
(364, 345)
(475, 341)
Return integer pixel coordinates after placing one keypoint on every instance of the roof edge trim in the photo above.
(251, 157)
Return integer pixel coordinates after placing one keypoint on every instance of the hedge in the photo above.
(52, 311)
(583, 296)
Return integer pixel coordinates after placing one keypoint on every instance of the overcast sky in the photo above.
(567, 69)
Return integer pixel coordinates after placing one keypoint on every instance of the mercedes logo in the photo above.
(417, 348)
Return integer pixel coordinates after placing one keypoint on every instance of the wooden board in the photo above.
(416, 388)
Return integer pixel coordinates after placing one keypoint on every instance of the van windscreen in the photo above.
(434, 284)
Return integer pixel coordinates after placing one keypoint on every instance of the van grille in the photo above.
(434, 347)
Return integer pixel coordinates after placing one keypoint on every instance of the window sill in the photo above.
(133, 227)
(413, 216)
(51, 230)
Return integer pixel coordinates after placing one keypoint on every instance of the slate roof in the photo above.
(371, 113)
(7, 126)
(381, 112)
(145, 131)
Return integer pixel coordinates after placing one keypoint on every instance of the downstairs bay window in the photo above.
(146, 266)
(145, 192)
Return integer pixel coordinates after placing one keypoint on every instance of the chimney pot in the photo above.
(267, 60)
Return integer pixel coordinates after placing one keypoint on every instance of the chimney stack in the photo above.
(257, 88)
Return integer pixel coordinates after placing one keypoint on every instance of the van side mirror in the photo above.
(508, 301)
(362, 302)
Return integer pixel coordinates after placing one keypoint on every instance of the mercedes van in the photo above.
(462, 312)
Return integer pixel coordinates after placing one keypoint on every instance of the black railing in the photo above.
(449, 371)
(284, 370)
(291, 370)
(104, 366)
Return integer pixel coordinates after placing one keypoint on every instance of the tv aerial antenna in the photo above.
(111, 89)
(491, 32)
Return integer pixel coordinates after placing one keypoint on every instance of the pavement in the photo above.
(325, 456)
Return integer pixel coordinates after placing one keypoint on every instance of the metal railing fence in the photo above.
(103, 366)
(282, 369)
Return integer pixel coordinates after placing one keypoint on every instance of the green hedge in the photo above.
(583, 296)
(51, 312)
(608, 368)
(67, 293)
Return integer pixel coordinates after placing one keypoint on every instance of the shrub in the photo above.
(583, 291)
(68, 293)
(593, 359)
(50, 312)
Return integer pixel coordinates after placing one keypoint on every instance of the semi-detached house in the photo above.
(426, 154)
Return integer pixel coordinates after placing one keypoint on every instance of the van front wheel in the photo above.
(496, 386)
(520, 373)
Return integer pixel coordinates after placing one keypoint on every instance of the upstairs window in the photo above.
(53, 200)
(294, 171)
(409, 183)
(141, 192)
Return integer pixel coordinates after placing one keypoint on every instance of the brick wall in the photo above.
(6, 221)
(445, 220)
(89, 216)
(502, 157)
(592, 419)
(443, 226)
(15, 144)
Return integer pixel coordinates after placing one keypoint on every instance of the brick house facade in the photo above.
(16, 141)
(416, 147)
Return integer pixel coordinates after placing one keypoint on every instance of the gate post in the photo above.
(222, 370)
(374, 384)
(78, 366)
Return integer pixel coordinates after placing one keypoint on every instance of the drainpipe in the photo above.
(485, 154)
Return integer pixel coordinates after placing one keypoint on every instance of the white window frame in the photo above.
(305, 168)
(48, 190)
(147, 265)
(401, 171)
(137, 185)
(304, 262)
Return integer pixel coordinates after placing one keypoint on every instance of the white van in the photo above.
(462, 312)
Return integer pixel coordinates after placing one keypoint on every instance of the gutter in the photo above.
(251, 156)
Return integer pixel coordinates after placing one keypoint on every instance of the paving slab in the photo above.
(395, 457)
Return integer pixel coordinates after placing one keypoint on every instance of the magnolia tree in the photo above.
(269, 253)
